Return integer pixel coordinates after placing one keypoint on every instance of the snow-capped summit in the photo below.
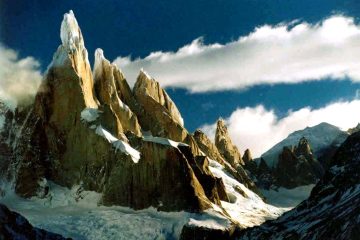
(320, 137)
(70, 32)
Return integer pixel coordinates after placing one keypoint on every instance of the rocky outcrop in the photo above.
(225, 146)
(158, 114)
(249, 163)
(147, 86)
(108, 79)
(354, 129)
(207, 147)
(331, 212)
(297, 166)
(15, 226)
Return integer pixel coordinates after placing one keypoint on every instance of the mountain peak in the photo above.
(70, 33)
(224, 144)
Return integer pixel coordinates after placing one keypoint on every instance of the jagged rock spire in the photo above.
(106, 77)
(225, 146)
(247, 158)
(207, 146)
(145, 84)
(303, 148)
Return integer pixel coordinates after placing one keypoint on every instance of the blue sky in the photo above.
(139, 28)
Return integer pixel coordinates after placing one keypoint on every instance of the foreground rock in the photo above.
(331, 212)
(15, 226)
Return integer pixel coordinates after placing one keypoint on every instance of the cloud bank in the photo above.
(19, 78)
(259, 129)
(284, 53)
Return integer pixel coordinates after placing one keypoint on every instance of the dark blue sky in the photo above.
(137, 28)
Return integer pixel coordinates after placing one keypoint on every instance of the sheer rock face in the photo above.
(15, 226)
(331, 212)
(158, 114)
(225, 146)
(207, 147)
(150, 182)
(108, 79)
(297, 166)
(147, 86)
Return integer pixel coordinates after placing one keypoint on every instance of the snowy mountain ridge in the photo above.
(320, 137)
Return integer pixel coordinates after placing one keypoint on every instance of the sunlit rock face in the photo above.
(207, 146)
(157, 112)
(225, 146)
(107, 80)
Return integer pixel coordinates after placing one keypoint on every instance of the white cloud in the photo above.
(259, 129)
(285, 53)
(19, 78)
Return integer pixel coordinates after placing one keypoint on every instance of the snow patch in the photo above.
(211, 219)
(247, 209)
(163, 141)
(118, 144)
(75, 213)
(89, 114)
(70, 33)
(287, 198)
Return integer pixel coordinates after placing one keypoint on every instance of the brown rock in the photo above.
(162, 178)
(158, 114)
(108, 80)
(225, 146)
(207, 147)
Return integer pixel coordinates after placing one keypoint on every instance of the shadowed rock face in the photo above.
(15, 226)
(77, 134)
(331, 212)
(225, 146)
(298, 166)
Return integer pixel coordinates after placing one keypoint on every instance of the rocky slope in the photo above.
(15, 226)
(331, 212)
